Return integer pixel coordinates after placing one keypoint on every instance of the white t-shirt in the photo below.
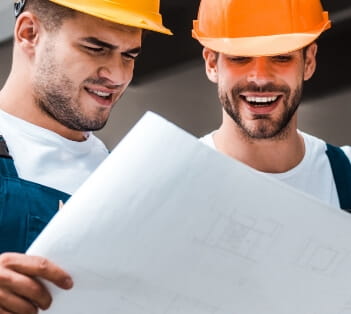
(44, 157)
(313, 174)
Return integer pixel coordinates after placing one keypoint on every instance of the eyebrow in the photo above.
(98, 42)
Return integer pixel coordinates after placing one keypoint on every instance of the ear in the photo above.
(26, 34)
(310, 61)
(211, 58)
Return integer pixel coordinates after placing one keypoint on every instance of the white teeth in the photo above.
(261, 99)
(99, 93)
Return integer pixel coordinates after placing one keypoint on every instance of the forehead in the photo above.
(83, 25)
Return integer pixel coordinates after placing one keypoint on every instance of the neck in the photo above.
(275, 155)
(17, 99)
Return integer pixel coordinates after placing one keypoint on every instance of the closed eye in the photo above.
(239, 59)
(282, 58)
(130, 56)
(96, 50)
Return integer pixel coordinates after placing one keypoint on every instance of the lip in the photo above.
(103, 89)
(104, 101)
(263, 109)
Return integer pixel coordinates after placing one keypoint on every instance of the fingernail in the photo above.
(68, 283)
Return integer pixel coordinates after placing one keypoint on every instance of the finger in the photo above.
(3, 311)
(60, 204)
(11, 303)
(27, 288)
(37, 266)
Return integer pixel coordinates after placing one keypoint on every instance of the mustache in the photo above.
(266, 88)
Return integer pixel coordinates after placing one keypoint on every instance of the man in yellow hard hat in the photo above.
(72, 60)
(259, 53)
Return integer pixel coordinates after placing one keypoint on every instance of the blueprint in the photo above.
(166, 225)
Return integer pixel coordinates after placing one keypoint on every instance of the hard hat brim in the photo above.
(261, 45)
(116, 14)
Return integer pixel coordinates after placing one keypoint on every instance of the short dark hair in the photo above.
(50, 14)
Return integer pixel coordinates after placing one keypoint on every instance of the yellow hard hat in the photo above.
(138, 13)
(259, 27)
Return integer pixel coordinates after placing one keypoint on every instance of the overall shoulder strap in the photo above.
(7, 166)
(341, 168)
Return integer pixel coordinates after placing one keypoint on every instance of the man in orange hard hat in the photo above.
(259, 53)
(72, 60)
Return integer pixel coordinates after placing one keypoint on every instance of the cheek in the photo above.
(226, 79)
(78, 71)
(129, 69)
(233, 84)
(295, 82)
(230, 76)
(294, 75)
(75, 61)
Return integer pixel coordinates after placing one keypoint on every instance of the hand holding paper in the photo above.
(20, 291)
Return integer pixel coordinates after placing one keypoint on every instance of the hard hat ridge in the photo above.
(259, 27)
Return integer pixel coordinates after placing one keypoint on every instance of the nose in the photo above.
(117, 71)
(261, 71)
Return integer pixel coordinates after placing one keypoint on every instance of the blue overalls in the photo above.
(341, 168)
(25, 207)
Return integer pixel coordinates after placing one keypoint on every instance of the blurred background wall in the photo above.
(170, 79)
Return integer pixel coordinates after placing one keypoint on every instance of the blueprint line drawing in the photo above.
(247, 237)
(319, 257)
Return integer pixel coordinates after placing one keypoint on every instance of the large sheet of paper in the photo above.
(167, 225)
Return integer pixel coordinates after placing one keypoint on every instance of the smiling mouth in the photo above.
(102, 95)
(255, 101)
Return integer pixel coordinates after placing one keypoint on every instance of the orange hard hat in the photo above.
(259, 27)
